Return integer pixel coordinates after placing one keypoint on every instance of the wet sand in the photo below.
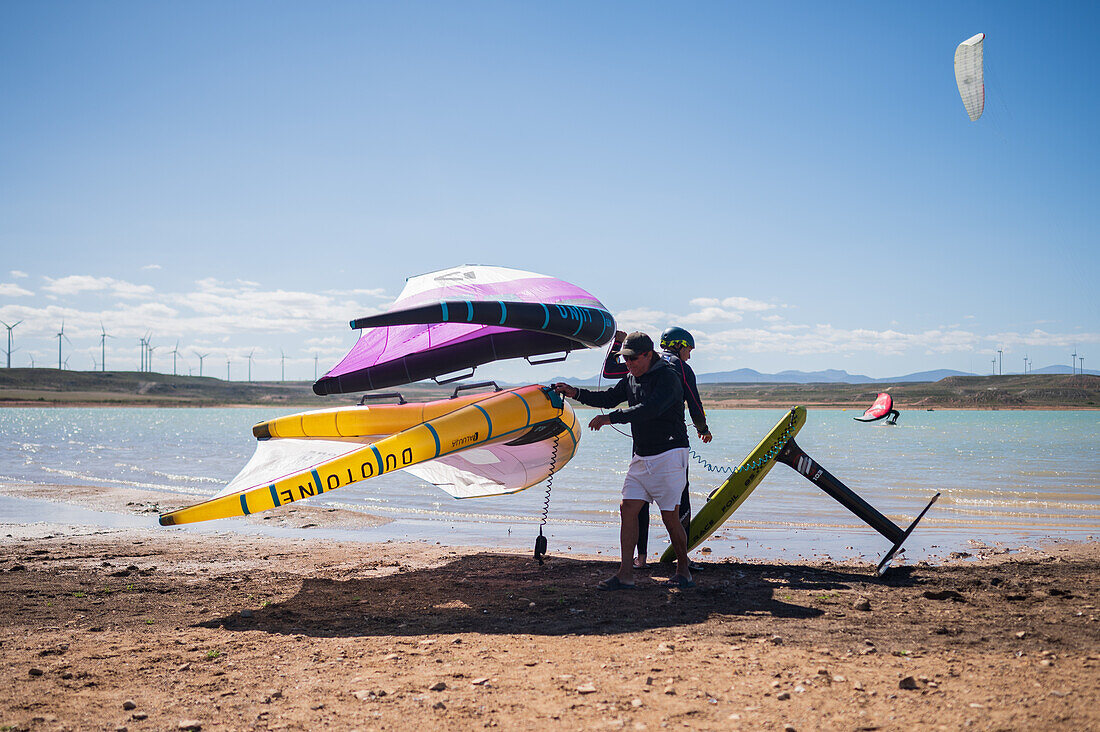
(146, 629)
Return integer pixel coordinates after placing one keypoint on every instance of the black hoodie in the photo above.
(655, 412)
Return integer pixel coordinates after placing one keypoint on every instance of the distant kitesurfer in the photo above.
(658, 467)
(676, 347)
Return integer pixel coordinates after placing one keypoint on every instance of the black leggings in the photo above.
(643, 520)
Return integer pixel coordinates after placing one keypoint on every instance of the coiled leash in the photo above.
(540, 540)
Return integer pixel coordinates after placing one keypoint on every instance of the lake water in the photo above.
(1011, 477)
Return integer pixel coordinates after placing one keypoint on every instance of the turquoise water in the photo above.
(1005, 477)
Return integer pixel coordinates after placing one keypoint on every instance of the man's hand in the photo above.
(705, 436)
(600, 420)
(569, 391)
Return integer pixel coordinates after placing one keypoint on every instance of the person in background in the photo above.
(676, 347)
(658, 467)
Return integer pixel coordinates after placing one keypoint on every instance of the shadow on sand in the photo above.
(506, 593)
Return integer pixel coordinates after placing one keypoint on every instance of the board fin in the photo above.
(793, 456)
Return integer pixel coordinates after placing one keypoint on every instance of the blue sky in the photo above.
(796, 183)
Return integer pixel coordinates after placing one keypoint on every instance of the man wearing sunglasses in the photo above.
(658, 467)
(676, 346)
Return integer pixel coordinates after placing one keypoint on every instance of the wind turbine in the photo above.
(315, 367)
(175, 352)
(1000, 359)
(282, 373)
(201, 357)
(1082, 365)
(31, 355)
(143, 343)
(60, 335)
(103, 336)
(250, 364)
(994, 362)
(10, 329)
(149, 363)
(149, 348)
(1073, 360)
(227, 367)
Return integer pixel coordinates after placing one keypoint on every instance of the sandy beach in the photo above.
(141, 629)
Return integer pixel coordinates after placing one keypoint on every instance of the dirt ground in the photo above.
(142, 630)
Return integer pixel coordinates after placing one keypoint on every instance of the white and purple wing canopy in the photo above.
(459, 318)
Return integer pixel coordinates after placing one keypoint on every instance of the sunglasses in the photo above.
(634, 358)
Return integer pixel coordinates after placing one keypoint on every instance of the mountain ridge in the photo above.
(826, 376)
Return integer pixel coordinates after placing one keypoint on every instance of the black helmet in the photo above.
(673, 339)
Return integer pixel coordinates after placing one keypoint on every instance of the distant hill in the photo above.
(752, 376)
(57, 387)
(1032, 391)
(935, 375)
(1059, 369)
(828, 376)
(53, 387)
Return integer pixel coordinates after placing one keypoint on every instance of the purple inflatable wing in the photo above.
(457, 319)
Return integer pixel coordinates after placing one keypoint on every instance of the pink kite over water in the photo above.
(883, 407)
(454, 320)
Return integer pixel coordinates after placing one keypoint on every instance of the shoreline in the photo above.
(136, 629)
(45, 387)
(112, 507)
(719, 405)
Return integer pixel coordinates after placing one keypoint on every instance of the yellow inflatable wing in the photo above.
(477, 445)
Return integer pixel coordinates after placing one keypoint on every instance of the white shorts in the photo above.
(658, 478)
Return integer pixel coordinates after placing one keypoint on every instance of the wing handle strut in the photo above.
(383, 395)
(475, 385)
(554, 359)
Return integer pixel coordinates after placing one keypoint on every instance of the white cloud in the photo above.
(712, 315)
(78, 284)
(643, 319)
(328, 342)
(152, 266)
(128, 290)
(10, 289)
(209, 283)
(378, 292)
(18, 274)
(822, 339)
(1040, 338)
(707, 311)
(742, 304)
(230, 319)
(75, 284)
(208, 311)
(724, 310)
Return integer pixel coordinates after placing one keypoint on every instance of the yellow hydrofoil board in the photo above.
(729, 496)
